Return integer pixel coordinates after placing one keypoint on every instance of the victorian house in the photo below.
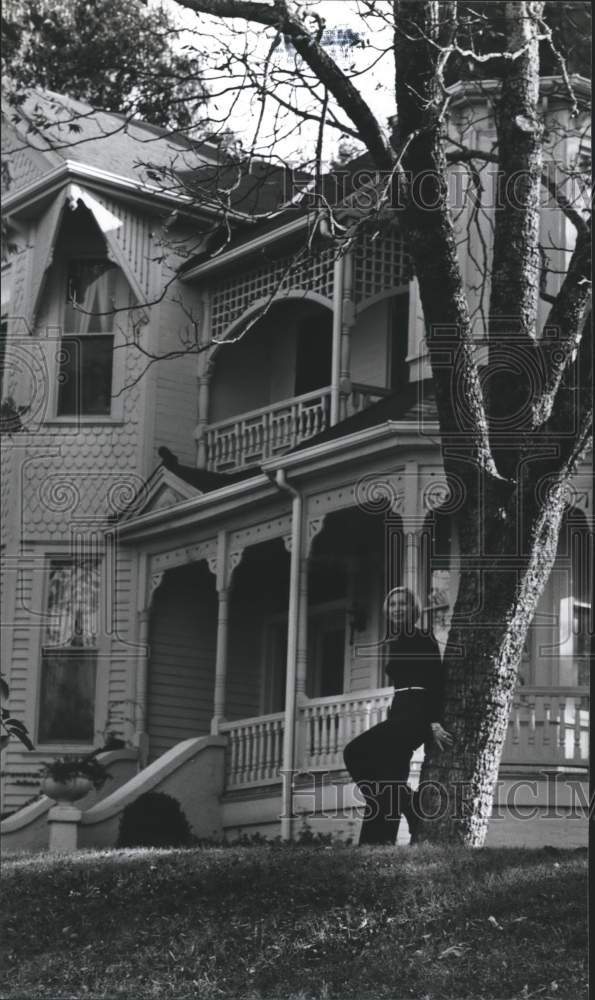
(196, 549)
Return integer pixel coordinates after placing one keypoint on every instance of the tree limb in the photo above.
(314, 55)
(516, 260)
(430, 235)
(566, 326)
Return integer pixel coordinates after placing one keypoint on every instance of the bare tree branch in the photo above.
(430, 233)
(314, 55)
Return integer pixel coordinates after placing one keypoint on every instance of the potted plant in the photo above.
(68, 779)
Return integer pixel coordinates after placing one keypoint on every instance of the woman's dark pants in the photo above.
(379, 761)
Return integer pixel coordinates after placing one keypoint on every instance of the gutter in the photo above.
(290, 722)
(250, 246)
(386, 429)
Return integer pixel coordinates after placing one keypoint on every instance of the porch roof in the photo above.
(202, 480)
(404, 411)
(415, 402)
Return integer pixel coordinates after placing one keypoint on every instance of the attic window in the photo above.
(86, 357)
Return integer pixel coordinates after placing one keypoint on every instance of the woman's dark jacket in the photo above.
(414, 661)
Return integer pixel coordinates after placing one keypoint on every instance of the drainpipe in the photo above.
(339, 279)
(292, 640)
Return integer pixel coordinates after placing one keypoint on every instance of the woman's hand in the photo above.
(442, 739)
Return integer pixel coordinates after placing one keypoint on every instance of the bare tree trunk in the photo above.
(495, 605)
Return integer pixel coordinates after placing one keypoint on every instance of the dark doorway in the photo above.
(314, 353)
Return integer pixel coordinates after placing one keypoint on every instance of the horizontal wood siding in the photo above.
(121, 610)
(182, 657)
(176, 386)
(23, 657)
(369, 345)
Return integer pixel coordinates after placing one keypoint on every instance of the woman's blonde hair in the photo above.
(414, 607)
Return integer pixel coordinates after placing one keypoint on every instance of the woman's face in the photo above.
(399, 610)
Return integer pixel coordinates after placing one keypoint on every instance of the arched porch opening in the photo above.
(284, 354)
(380, 341)
(573, 596)
(354, 561)
(270, 388)
(440, 577)
(258, 632)
(181, 670)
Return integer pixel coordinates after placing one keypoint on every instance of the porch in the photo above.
(548, 729)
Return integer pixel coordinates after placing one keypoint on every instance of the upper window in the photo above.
(93, 292)
(69, 653)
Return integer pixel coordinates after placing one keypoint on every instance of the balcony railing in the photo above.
(547, 728)
(252, 437)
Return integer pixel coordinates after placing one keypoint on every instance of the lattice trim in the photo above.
(381, 264)
(233, 296)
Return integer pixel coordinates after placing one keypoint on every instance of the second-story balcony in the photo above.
(250, 438)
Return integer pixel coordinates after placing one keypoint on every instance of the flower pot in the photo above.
(66, 791)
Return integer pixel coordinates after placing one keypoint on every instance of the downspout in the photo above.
(339, 280)
(289, 731)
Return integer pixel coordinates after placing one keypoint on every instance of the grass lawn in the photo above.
(297, 922)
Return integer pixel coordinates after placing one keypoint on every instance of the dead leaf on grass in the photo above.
(455, 950)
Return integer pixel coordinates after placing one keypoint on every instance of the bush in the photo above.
(154, 820)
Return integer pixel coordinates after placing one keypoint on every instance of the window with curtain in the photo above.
(69, 654)
(93, 291)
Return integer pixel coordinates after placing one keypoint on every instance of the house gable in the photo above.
(162, 491)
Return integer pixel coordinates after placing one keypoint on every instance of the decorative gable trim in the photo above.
(43, 254)
(163, 490)
(111, 226)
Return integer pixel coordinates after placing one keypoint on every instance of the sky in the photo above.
(242, 112)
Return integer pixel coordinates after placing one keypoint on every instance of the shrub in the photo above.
(154, 820)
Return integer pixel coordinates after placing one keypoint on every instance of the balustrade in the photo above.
(254, 750)
(547, 728)
(250, 438)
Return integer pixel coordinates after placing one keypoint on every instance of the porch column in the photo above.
(221, 658)
(302, 642)
(290, 727)
(347, 323)
(337, 337)
(141, 738)
(413, 522)
(200, 433)
(223, 571)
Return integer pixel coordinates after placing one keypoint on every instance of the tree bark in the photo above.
(497, 599)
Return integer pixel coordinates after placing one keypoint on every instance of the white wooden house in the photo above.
(195, 552)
